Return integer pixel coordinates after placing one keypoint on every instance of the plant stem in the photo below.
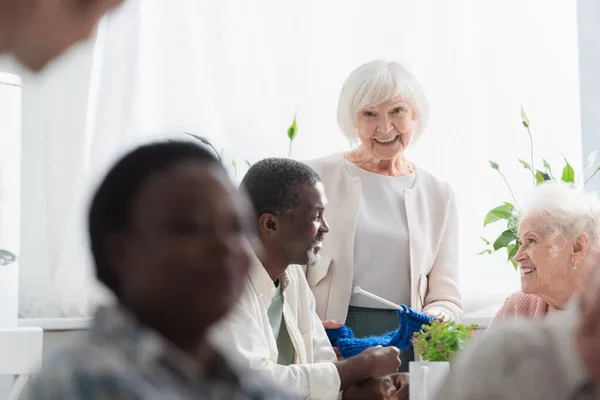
(508, 186)
(290, 151)
(216, 152)
(531, 153)
(588, 179)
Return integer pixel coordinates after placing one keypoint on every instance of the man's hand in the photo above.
(401, 383)
(587, 332)
(389, 387)
(381, 360)
(371, 363)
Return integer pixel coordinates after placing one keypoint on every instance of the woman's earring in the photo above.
(574, 266)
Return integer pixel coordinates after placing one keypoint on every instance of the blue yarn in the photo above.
(410, 322)
(341, 333)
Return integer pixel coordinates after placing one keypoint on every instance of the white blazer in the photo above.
(246, 337)
(433, 237)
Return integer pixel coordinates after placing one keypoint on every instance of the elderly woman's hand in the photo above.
(588, 329)
(437, 316)
(331, 324)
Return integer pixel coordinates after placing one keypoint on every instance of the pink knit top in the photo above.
(520, 304)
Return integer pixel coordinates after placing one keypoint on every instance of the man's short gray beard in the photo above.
(313, 259)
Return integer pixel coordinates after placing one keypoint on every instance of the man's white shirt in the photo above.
(246, 337)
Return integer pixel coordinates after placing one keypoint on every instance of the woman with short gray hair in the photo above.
(393, 226)
(559, 235)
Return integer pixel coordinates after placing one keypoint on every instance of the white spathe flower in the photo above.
(592, 158)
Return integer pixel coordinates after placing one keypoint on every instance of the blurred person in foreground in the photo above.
(557, 358)
(170, 238)
(37, 31)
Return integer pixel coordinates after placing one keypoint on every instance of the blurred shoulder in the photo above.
(82, 369)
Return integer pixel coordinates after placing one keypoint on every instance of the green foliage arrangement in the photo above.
(440, 340)
(292, 132)
(506, 212)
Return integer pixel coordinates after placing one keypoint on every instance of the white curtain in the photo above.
(238, 71)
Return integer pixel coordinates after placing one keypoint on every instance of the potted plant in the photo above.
(435, 345)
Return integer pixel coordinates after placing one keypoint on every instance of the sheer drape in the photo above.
(237, 72)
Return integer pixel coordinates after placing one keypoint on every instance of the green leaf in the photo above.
(485, 240)
(513, 224)
(568, 174)
(494, 165)
(486, 251)
(440, 340)
(504, 239)
(512, 249)
(201, 138)
(501, 212)
(524, 118)
(548, 168)
(526, 165)
(541, 177)
(206, 142)
(292, 130)
(234, 165)
(514, 263)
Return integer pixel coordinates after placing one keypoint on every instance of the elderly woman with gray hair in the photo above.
(556, 357)
(393, 225)
(559, 235)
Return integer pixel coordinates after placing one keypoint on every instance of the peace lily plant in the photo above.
(506, 212)
(292, 132)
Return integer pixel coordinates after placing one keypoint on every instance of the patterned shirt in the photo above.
(120, 359)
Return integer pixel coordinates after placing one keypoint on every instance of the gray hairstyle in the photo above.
(564, 211)
(374, 83)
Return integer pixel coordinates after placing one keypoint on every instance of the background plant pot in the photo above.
(426, 378)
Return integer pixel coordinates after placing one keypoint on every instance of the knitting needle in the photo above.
(357, 289)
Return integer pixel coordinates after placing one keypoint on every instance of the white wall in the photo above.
(54, 101)
(589, 75)
(46, 105)
(10, 193)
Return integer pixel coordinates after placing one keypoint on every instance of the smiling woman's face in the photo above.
(386, 129)
(545, 261)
